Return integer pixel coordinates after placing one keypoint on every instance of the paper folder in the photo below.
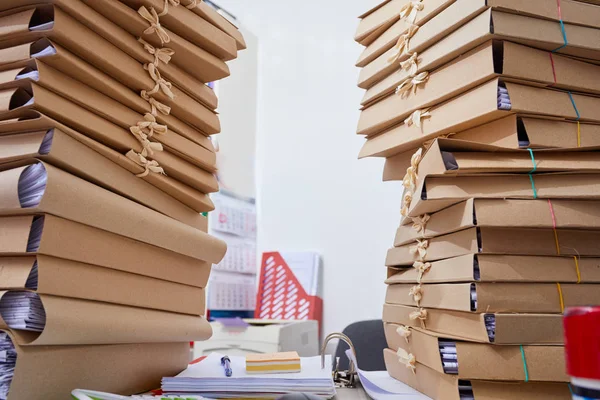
(69, 197)
(66, 152)
(446, 387)
(128, 369)
(34, 122)
(59, 277)
(48, 235)
(100, 129)
(191, 26)
(194, 60)
(70, 321)
(106, 107)
(101, 44)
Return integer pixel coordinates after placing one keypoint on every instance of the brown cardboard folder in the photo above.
(478, 106)
(464, 325)
(462, 11)
(569, 214)
(481, 361)
(34, 122)
(543, 298)
(502, 268)
(93, 125)
(208, 13)
(72, 321)
(97, 247)
(67, 196)
(60, 277)
(66, 152)
(499, 240)
(110, 49)
(390, 37)
(85, 73)
(436, 193)
(191, 26)
(123, 368)
(493, 59)
(516, 131)
(197, 62)
(584, 42)
(446, 387)
(107, 107)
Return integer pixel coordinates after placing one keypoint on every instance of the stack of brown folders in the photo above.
(488, 113)
(106, 164)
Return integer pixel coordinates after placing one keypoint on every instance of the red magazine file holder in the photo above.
(280, 296)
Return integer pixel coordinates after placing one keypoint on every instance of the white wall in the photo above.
(236, 159)
(313, 193)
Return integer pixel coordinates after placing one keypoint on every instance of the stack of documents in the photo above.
(106, 166)
(487, 113)
(207, 378)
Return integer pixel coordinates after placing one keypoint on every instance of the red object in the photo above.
(582, 342)
(280, 296)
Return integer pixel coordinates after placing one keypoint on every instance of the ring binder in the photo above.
(341, 379)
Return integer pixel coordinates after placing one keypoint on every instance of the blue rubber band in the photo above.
(564, 35)
(524, 364)
(574, 106)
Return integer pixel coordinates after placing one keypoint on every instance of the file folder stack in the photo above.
(106, 166)
(487, 112)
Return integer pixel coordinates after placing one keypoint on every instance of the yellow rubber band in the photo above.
(562, 299)
(557, 243)
(577, 269)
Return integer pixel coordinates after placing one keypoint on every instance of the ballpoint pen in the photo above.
(226, 363)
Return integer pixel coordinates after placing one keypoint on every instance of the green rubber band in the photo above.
(524, 364)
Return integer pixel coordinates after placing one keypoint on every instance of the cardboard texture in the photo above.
(191, 26)
(197, 62)
(583, 42)
(211, 15)
(461, 12)
(476, 107)
(498, 297)
(378, 20)
(469, 326)
(502, 268)
(101, 248)
(72, 198)
(390, 37)
(446, 387)
(14, 104)
(114, 34)
(34, 122)
(516, 131)
(438, 193)
(70, 155)
(493, 59)
(477, 361)
(498, 240)
(78, 69)
(80, 322)
(126, 369)
(569, 214)
(107, 107)
(66, 278)
(459, 157)
(110, 49)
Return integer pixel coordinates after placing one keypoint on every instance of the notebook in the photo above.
(208, 379)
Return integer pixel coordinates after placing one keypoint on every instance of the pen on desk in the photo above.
(226, 363)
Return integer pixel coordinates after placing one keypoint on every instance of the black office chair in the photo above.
(368, 338)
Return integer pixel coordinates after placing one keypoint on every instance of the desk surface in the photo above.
(351, 394)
